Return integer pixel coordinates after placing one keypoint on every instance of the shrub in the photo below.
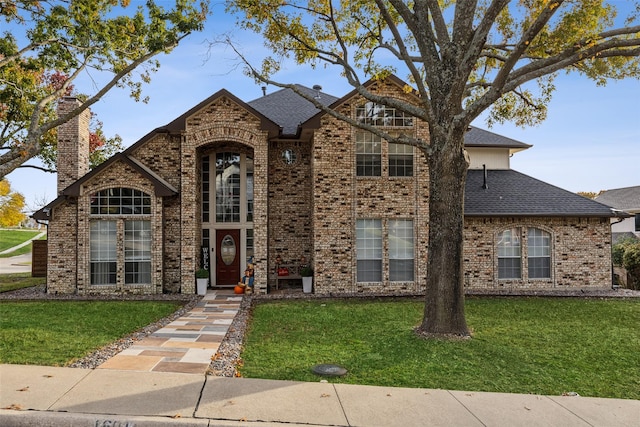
(631, 262)
(618, 250)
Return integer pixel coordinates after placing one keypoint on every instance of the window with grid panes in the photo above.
(381, 115)
(368, 154)
(509, 254)
(401, 250)
(538, 254)
(104, 235)
(120, 201)
(400, 160)
(102, 252)
(137, 251)
(369, 250)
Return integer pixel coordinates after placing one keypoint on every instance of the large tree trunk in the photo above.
(444, 308)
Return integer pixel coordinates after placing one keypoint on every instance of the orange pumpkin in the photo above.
(238, 289)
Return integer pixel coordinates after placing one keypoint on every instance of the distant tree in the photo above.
(590, 194)
(11, 206)
(462, 58)
(72, 38)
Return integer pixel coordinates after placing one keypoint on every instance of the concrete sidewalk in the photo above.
(50, 396)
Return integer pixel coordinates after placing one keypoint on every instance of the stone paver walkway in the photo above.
(185, 345)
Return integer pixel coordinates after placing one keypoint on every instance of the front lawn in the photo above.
(56, 333)
(520, 345)
(13, 281)
(11, 238)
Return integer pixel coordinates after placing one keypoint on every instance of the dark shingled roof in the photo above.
(288, 109)
(627, 198)
(511, 193)
(476, 137)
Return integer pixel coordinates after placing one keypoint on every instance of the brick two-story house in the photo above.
(231, 181)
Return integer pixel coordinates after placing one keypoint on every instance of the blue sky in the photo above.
(589, 142)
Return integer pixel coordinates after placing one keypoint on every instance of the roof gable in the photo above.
(161, 187)
(179, 123)
(314, 122)
(288, 109)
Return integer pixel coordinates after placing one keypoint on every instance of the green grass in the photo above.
(56, 333)
(11, 238)
(13, 281)
(520, 345)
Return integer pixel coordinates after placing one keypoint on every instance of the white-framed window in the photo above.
(227, 187)
(401, 250)
(538, 253)
(120, 201)
(371, 253)
(103, 256)
(137, 251)
(381, 115)
(368, 154)
(509, 254)
(132, 228)
(400, 160)
(369, 250)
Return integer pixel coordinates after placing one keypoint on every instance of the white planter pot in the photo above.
(201, 286)
(307, 284)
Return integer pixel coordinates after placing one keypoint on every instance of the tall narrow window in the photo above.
(137, 252)
(249, 243)
(638, 222)
(249, 163)
(368, 154)
(400, 160)
(401, 251)
(369, 250)
(509, 254)
(102, 248)
(227, 187)
(539, 254)
(206, 205)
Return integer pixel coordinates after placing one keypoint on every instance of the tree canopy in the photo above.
(461, 58)
(77, 39)
(11, 205)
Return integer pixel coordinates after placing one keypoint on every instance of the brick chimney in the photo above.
(73, 144)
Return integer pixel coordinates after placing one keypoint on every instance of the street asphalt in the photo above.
(16, 264)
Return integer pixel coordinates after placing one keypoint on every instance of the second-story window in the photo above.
(400, 160)
(381, 115)
(368, 154)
